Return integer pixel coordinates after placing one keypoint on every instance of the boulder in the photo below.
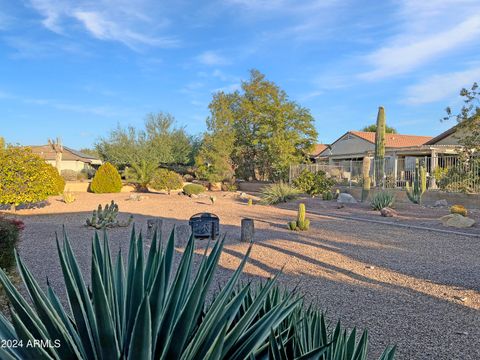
(215, 186)
(388, 212)
(457, 220)
(440, 203)
(345, 198)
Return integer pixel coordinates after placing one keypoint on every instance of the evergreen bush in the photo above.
(193, 189)
(166, 180)
(106, 180)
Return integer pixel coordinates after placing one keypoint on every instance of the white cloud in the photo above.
(104, 29)
(425, 31)
(212, 58)
(440, 87)
(125, 22)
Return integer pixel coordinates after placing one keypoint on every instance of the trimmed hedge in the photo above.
(193, 189)
(106, 180)
(166, 180)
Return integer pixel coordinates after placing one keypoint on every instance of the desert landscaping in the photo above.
(385, 274)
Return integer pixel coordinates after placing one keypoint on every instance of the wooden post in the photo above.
(247, 230)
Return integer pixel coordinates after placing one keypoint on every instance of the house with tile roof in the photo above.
(71, 159)
(355, 145)
(317, 150)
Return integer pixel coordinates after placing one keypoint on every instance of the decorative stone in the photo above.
(215, 186)
(243, 195)
(457, 220)
(194, 196)
(388, 212)
(440, 203)
(345, 198)
(247, 230)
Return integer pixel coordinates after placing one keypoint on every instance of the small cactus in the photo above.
(415, 193)
(106, 217)
(250, 202)
(213, 199)
(302, 223)
(366, 178)
(458, 209)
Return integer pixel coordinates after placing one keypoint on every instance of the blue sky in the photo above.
(74, 68)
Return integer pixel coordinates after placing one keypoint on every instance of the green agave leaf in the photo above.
(141, 343)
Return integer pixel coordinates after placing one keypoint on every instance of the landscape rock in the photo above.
(345, 198)
(194, 196)
(388, 212)
(441, 203)
(243, 195)
(457, 220)
(215, 186)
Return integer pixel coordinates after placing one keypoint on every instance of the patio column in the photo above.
(433, 166)
(395, 169)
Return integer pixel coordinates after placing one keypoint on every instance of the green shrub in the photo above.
(166, 180)
(9, 234)
(313, 184)
(382, 200)
(193, 189)
(279, 192)
(56, 183)
(327, 195)
(26, 177)
(106, 180)
(150, 308)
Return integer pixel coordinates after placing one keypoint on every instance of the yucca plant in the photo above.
(382, 200)
(145, 310)
(277, 193)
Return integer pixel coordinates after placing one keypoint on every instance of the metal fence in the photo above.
(447, 173)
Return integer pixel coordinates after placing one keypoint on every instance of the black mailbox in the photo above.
(205, 225)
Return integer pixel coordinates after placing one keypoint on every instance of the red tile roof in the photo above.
(317, 149)
(394, 140)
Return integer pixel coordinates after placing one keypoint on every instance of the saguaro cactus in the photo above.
(58, 148)
(380, 147)
(419, 184)
(366, 178)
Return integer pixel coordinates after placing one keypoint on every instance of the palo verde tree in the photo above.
(258, 130)
(140, 152)
(468, 118)
(373, 128)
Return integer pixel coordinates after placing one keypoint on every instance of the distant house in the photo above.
(71, 159)
(448, 137)
(355, 145)
(317, 150)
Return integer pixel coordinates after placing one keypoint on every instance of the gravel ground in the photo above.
(417, 289)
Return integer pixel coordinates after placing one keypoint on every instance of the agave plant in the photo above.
(278, 193)
(146, 310)
(382, 200)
